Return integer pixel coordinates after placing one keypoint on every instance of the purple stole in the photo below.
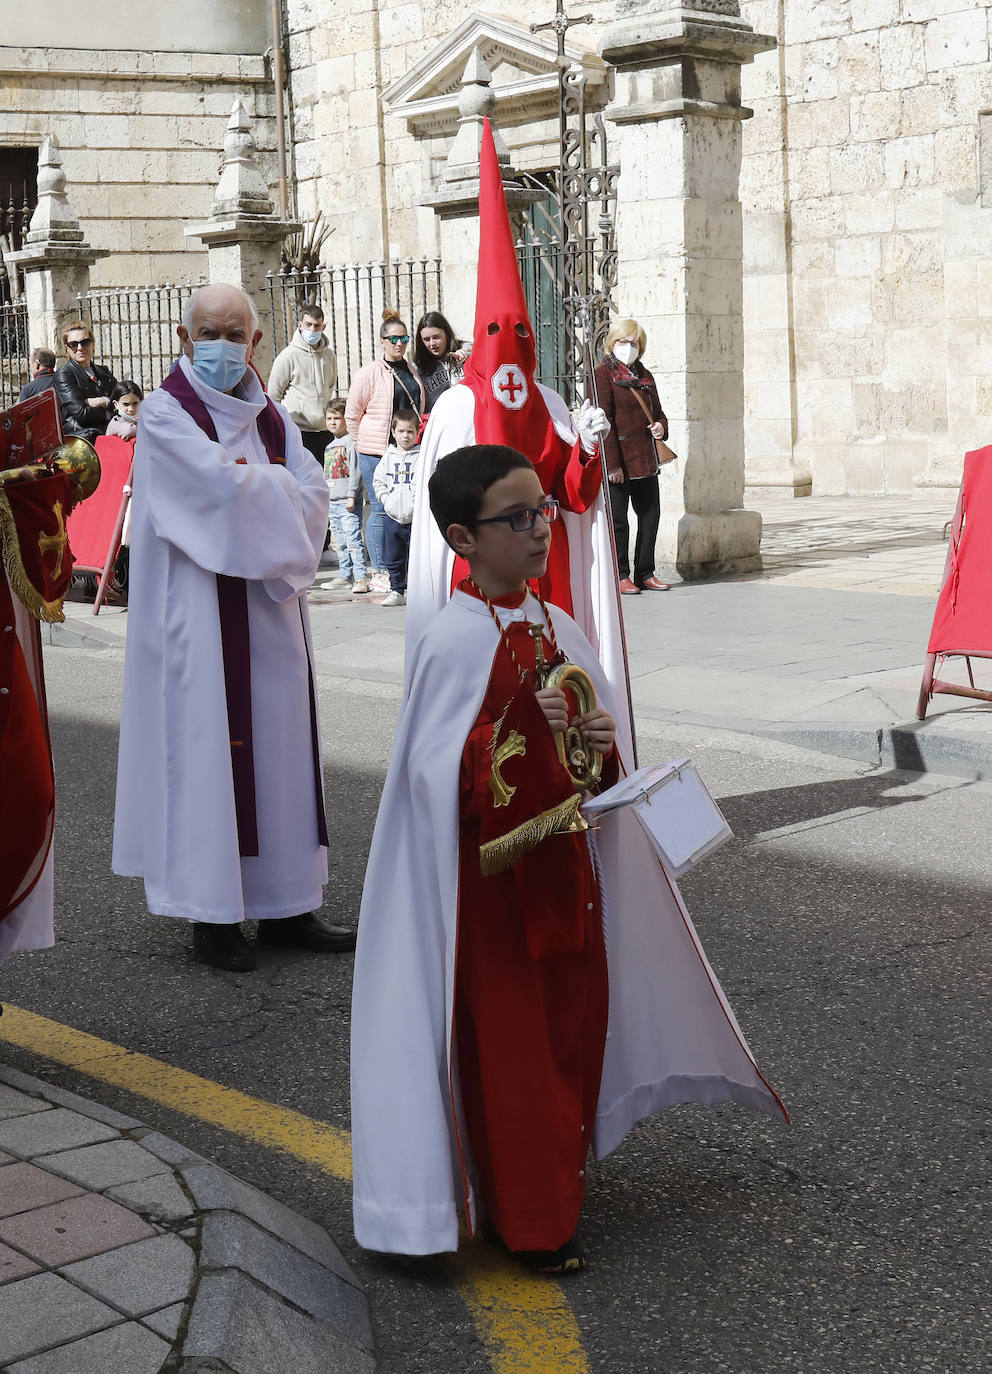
(232, 603)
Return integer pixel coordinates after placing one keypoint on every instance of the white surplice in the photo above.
(672, 1034)
(198, 511)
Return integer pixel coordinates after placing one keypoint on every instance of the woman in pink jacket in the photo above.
(377, 391)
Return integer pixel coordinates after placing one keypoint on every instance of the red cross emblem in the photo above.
(510, 386)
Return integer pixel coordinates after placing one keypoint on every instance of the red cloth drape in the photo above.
(962, 622)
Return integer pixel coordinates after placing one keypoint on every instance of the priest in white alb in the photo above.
(220, 804)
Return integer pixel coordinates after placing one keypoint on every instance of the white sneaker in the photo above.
(379, 582)
(337, 585)
(360, 587)
(394, 599)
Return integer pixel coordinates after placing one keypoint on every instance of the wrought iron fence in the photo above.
(546, 265)
(353, 297)
(14, 351)
(17, 205)
(135, 329)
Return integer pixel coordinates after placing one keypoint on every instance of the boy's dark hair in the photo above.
(460, 481)
(337, 405)
(406, 416)
(127, 388)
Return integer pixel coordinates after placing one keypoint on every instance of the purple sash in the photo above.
(232, 602)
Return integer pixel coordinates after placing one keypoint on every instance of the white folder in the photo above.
(675, 809)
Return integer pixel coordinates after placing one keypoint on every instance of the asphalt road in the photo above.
(849, 924)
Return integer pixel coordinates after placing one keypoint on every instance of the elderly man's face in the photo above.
(221, 316)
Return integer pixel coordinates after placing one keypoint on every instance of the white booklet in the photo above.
(675, 809)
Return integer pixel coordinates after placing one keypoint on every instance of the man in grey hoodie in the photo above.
(303, 377)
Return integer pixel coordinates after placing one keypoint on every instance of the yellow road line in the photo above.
(525, 1323)
(278, 1127)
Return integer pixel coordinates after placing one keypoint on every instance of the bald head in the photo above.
(219, 300)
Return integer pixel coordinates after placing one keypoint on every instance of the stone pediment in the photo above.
(524, 67)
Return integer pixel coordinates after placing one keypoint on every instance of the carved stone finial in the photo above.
(476, 99)
(242, 189)
(54, 220)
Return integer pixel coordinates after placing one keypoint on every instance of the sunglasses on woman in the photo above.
(79, 343)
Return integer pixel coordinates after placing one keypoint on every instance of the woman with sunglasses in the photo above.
(84, 388)
(378, 390)
(439, 355)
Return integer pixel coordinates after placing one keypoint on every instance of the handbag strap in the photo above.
(414, 400)
(641, 402)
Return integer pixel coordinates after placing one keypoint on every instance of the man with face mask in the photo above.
(219, 785)
(303, 377)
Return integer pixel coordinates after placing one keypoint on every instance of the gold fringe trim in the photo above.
(496, 856)
(10, 550)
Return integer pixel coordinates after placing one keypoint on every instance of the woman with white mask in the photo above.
(628, 394)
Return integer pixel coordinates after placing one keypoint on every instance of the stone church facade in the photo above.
(865, 184)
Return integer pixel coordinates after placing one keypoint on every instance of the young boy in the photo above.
(394, 483)
(488, 1076)
(344, 520)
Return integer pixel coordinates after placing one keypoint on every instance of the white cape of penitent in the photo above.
(198, 511)
(672, 1035)
(590, 548)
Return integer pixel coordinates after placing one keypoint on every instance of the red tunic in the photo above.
(531, 997)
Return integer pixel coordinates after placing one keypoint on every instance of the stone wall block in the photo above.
(957, 40)
(819, 123)
(849, 304)
(921, 112)
(920, 207)
(909, 161)
(764, 245)
(808, 20)
(826, 405)
(857, 167)
(858, 64)
(858, 257)
(851, 355)
(919, 252)
(820, 79)
(902, 57)
(876, 115)
(956, 156)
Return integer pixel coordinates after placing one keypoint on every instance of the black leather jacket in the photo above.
(73, 385)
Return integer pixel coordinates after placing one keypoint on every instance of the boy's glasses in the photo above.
(523, 521)
(79, 343)
(397, 338)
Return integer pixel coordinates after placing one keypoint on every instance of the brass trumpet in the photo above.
(77, 458)
(583, 763)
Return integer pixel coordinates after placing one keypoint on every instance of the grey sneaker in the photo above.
(394, 599)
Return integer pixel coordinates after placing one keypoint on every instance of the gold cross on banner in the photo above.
(59, 540)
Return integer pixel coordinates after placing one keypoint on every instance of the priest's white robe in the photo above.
(197, 512)
(672, 1035)
(592, 565)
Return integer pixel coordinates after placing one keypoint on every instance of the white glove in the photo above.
(592, 424)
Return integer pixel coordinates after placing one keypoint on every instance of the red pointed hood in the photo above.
(509, 409)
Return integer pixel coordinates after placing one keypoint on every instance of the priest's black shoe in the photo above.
(307, 932)
(224, 947)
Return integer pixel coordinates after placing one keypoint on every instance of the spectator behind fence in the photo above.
(395, 479)
(378, 390)
(344, 519)
(127, 398)
(42, 373)
(438, 354)
(84, 388)
(303, 377)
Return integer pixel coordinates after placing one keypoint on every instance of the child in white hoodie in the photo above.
(394, 482)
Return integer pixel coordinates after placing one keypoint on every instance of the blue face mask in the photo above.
(311, 338)
(219, 363)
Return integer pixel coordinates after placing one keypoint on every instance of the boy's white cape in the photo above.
(672, 1035)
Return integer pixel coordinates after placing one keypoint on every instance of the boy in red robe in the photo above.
(482, 993)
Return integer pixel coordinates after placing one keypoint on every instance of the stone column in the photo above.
(244, 235)
(677, 111)
(55, 259)
(456, 202)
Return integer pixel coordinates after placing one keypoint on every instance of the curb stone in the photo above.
(265, 1288)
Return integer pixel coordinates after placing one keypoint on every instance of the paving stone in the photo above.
(167, 1321)
(233, 1242)
(126, 1349)
(43, 1311)
(170, 1150)
(51, 1131)
(74, 1229)
(14, 1265)
(138, 1278)
(14, 1103)
(5, 1159)
(104, 1165)
(215, 1190)
(237, 1322)
(157, 1199)
(24, 1187)
(60, 1098)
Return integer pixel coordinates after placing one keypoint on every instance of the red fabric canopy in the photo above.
(91, 525)
(962, 622)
